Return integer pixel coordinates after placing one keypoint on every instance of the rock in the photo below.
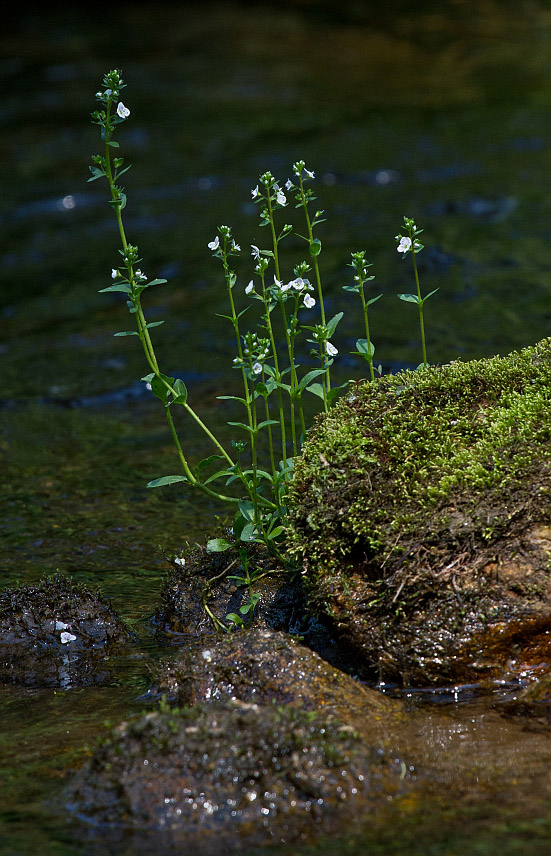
(200, 581)
(226, 776)
(532, 700)
(57, 634)
(420, 513)
(265, 667)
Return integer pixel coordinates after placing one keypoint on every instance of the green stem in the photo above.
(370, 357)
(420, 303)
(294, 381)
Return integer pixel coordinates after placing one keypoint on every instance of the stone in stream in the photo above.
(58, 634)
(277, 746)
(420, 513)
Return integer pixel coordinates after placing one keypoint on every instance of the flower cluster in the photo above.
(409, 243)
(227, 245)
(255, 353)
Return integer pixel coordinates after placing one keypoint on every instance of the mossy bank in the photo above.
(420, 512)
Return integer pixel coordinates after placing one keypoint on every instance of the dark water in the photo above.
(439, 111)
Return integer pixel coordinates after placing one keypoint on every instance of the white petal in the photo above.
(66, 638)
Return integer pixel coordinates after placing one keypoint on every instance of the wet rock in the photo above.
(532, 700)
(226, 776)
(201, 591)
(266, 668)
(420, 513)
(57, 634)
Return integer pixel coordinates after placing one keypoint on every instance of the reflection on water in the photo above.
(435, 110)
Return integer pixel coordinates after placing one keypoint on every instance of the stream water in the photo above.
(436, 110)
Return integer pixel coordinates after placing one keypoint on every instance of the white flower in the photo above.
(236, 247)
(250, 287)
(257, 368)
(281, 199)
(67, 637)
(288, 184)
(181, 562)
(213, 245)
(255, 192)
(309, 172)
(255, 252)
(60, 625)
(114, 273)
(405, 245)
(309, 301)
(331, 350)
(122, 111)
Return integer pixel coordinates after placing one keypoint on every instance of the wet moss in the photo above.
(423, 499)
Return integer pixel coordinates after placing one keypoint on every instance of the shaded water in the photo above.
(435, 110)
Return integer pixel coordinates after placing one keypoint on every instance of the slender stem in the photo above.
(420, 303)
(145, 338)
(370, 356)
(281, 302)
(277, 373)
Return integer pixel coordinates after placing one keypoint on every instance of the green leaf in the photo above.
(114, 144)
(180, 389)
(316, 389)
(275, 532)
(218, 545)
(96, 173)
(158, 388)
(232, 398)
(153, 282)
(205, 463)
(248, 533)
(119, 286)
(335, 391)
(247, 509)
(332, 325)
(153, 324)
(426, 297)
(236, 619)
(409, 298)
(242, 425)
(308, 377)
(167, 480)
(265, 423)
(315, 247)
(365, 348)
(127, 333)
(373, 300)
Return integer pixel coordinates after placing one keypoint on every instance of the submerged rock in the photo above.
(420, 512)
(226, 776)
(266, 668)
(57, 634)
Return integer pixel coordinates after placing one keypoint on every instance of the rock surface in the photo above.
(227, 776)
(421, 515)
(266, 667)
(57, 634)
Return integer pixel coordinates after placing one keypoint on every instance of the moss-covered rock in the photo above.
(421, 513)
(224, 776)
(58, 634)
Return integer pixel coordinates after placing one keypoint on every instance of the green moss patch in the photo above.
(419, 483)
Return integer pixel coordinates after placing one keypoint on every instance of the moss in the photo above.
(436, 456)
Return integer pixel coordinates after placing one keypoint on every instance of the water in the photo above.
(435, 110)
